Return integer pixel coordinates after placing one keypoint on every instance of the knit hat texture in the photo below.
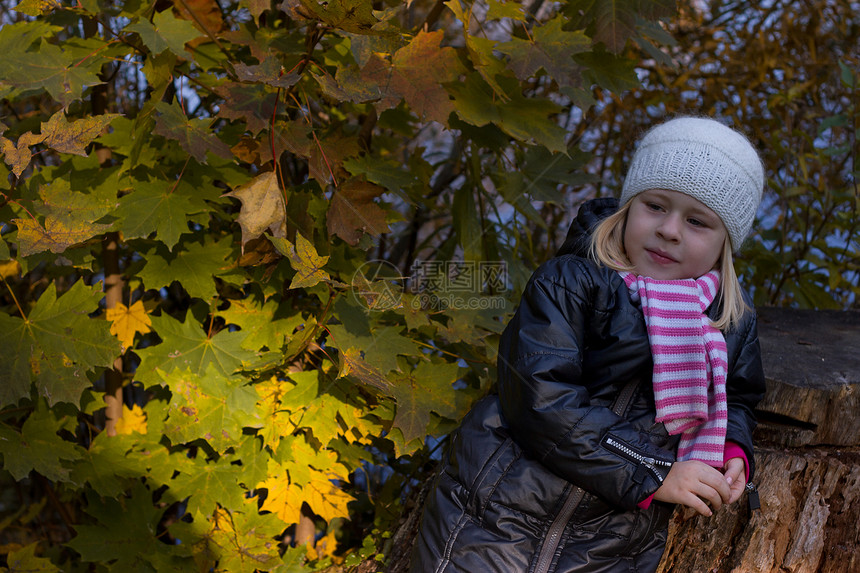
(706, 160)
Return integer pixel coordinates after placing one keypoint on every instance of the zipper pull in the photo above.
(642, 469)
(752, 497)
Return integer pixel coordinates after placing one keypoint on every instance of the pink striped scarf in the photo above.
(690, 362)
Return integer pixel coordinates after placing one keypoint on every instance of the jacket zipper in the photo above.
(648, 463)
(553, 536)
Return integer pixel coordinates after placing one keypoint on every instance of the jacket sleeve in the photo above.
(547, 404)
(745, 386)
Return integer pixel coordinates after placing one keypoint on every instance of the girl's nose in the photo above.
(669, 228)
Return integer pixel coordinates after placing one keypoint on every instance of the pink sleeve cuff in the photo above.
(732, 450)
(646, 503)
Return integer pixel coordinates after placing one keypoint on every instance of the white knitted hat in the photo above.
(706, 160)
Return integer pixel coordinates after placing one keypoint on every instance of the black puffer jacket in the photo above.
(575, 341)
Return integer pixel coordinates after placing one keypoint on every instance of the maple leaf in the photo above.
(418, 71)
(263, 207)
(207, 14)
(210, 406)
(193, 135)
(37, 447)
(305, 261)
(127, 321)
(353, 363)
(194, 266)
(186, 345)
(133, 420)
(56, 236)
(549, 48)
(56, 327)
(306, 477)
(73, 137)
(24, 560)
(243, 102)
(68, 218)
(428, 388)
(354, 16)
(125, 533)
(210, 483)
(353, 212)
(51, 67)
(18, 156)
(269, 72)
(166, 32)
(161, 207)
(244, 541)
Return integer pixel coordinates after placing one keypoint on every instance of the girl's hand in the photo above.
(735, 472)
(695, 484)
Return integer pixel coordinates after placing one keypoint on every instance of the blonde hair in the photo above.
(607, 248)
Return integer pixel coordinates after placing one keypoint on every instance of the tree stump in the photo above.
(808, 462)
(808, 459)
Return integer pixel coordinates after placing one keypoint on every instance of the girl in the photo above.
(557, 473)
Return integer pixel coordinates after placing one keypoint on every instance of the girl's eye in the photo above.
(654, 206)
(696, 223)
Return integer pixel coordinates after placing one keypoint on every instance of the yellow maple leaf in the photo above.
(325, 499)
(10, 268)
(133, 420)
(284, 499)
(126, 321)
(307, 263)
(324, 547)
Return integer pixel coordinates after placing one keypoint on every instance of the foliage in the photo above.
(210, 215)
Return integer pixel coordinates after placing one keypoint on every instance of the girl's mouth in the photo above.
(660, 257)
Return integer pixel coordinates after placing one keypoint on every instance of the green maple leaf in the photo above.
(532, 118)
(428, 388)
(380, 347)
(185, 345)
(615, 73)
(38, 447)
(58, 334)
(549, 48)
(194, 266)
(209, 483)
(390, 174)
(262, 323)
(166, 32)
(125, 534)
(474, 100)
(209, 406)
(51, 68)
(614, 21)
(161, 207)
(129, 457)
(193, 135)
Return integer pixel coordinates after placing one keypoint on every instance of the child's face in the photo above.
(670, 235)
